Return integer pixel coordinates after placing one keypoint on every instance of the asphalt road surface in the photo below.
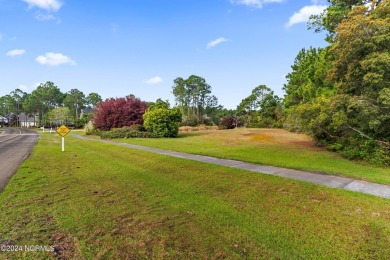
(15, 146)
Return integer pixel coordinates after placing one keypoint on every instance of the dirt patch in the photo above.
(64, 246)
(280, 136)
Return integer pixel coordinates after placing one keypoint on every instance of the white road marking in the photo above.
(12, 137)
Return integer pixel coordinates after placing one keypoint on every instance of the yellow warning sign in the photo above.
(63, 130)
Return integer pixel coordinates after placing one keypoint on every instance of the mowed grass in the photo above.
(275, 147)
(98, 201)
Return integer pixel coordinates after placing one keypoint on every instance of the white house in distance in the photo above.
(27, 121)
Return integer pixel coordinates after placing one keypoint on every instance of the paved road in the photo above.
(15, 146)
(313, 177)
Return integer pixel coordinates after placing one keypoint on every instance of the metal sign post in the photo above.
(62, 131)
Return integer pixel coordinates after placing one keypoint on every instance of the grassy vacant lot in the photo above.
(106, 202)
(271, 147)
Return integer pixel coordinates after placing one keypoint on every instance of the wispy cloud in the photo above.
(54, 59)
(154, 81)
(14, 53)
(48, 5)
(44, 17)
(216, 42)
(303, 15)
(255, 3)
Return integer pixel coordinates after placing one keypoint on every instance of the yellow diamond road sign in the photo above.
(63, 130)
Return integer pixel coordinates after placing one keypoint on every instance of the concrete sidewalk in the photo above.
(313, 177)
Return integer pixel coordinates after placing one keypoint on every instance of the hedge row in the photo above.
(125, 133)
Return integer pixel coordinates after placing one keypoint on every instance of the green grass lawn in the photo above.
(98, 201)
(270, 147)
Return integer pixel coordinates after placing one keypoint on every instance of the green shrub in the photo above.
(265, 122)
(139, 128)
(344, 124)
(125, 132)
(162, 121)
(208, 121)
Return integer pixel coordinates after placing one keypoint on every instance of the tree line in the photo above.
(47, 105)
(340, 94)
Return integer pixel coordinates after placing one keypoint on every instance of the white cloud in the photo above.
(14, 53)
(216, 42)
(49, 5)
(302, 16)
(54, 59)
(255, 3)
(44, 17)
(154, 81)
(47, 17)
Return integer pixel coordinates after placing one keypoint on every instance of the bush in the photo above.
(208, 121)
(125, 132)
(119, 112)
(139, 128)
(265, 122)
(344, 124)
(90, 128)
(162, 121)
(229, 122)
(190, 120)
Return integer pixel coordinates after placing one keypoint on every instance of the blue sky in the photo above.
(139, 47)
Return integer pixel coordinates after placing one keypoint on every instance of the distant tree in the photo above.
(75, 100)
(193, 96)
(93, 99)
(158, 104)
(47, 96)
(119, 112)
(260, 109)
(7, 107)
(59, 116)
(18, 97)
(181, 94)
(308, 79)
(31, 106)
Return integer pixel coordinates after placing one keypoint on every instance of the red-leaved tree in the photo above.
(119, 112)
